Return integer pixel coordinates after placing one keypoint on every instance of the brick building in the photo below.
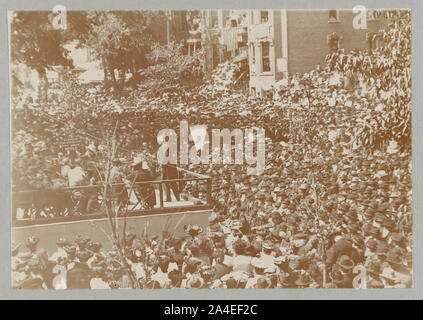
(291, 41)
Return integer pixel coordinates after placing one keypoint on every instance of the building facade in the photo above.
(282, 42)
(224, 36)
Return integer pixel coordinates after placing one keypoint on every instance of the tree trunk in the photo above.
(112, 75)
(43, 86)
(133, 64)
(106, 73)
(109, 70)
(133, 69)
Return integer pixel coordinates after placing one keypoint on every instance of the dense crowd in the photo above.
(335, 193)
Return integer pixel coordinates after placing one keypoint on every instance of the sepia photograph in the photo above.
(211, 149)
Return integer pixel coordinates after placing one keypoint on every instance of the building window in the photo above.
(264, 16)
(265, 56)
(334, 41)
(334, 16)
(369, 39)
(374, 40)
(372, 15)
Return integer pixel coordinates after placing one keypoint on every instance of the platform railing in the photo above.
(86, 202)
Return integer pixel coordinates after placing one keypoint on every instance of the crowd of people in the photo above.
(334, 199)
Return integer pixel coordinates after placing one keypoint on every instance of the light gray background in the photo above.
(255, 294)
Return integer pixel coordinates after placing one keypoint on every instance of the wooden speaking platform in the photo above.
(173, 213)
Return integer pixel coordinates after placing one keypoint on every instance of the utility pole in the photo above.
(169, 18)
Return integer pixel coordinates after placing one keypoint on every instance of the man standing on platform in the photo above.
(170, 172)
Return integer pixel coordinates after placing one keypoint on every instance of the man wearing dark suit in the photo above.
(170, 172)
